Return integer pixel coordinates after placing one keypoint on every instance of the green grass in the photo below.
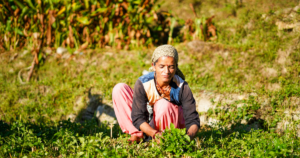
(67, 139)
(244, 60)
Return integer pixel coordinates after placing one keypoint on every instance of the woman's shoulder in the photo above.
(178, 80)
(147, 77)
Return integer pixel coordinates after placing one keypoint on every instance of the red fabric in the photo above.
(164, 112)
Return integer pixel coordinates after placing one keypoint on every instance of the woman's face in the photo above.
(165, 69)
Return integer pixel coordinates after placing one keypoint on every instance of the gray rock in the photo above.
(204, 105)
(61, 50)
(105, 113)
(72, 117)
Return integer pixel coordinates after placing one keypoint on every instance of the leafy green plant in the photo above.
(176, 141)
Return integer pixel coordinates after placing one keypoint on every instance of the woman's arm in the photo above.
(146, 128)
(139, 113)
(191, 116)
(192, 131)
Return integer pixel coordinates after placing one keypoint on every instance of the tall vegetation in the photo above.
(82, 23)
(78, 23)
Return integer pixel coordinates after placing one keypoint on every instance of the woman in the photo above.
(159, 98)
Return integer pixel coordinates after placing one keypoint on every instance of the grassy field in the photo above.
(256, 55)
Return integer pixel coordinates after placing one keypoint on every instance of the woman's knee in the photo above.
(119, 88)
(163, 106)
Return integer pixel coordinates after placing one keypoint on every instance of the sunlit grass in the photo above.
(243, 60)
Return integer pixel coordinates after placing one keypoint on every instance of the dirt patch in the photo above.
(269, 72)
(273, 86)
(283, 56)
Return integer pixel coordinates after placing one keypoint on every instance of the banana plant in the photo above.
(54, 23)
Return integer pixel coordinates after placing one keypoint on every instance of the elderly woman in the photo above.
(159, 98)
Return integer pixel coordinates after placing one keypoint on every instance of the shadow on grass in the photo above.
(94, 109)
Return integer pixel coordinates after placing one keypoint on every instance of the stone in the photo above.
(72, 117)
(204, 105)
(105, 113)
(61, 50)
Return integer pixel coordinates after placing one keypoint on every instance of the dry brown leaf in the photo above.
(125, 5)
(211, 29)
(107, 2)
(41, 18)
(106, 37)
(84, 46)
(86, 34)
(119, 44)
(50, 22)
(25, 32)
(132, 33)
(93, 8)
(16, 12)
(71, 38)
(192, 7)
(155, 16)
(138, 34)
(148, 33)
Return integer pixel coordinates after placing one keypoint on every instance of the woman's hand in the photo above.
(156, 137)
(192, 131)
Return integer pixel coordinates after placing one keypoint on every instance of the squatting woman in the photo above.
(159, 98)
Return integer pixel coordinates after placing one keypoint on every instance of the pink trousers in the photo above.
(164, 112)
